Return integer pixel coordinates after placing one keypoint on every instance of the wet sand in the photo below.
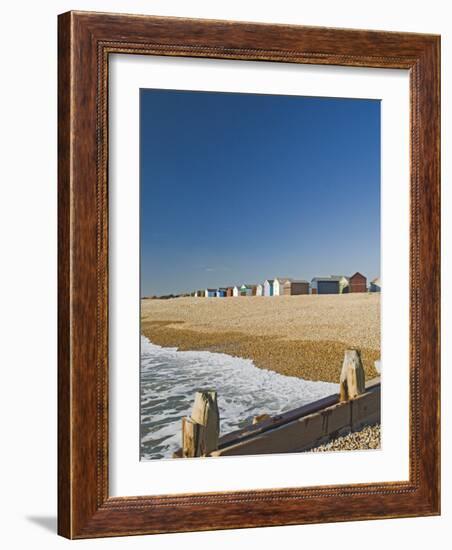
(303, 336)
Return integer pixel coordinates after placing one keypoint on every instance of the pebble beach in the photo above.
(367, 438)
(303, 336)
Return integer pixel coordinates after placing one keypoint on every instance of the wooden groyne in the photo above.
(356, 405)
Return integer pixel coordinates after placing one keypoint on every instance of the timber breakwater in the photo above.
(170, 378)
(356, 406)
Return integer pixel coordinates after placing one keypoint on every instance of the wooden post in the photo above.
(352, 380)
(191, 438)
(201, 432)
(205, 412)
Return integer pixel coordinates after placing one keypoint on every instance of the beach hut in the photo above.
(358, 283)
(221, 293)
(260, 290)
(236, 291)
(278, 285)
(375, 285)
(211, 292)
(268, 287)
(229, 291)
(247, 290)
(200, 293)
(325, 285)
(295, 288)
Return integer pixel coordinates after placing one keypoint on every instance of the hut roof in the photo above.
(332, 278)
(283, 280)
(290, 281)
(269, 281)
(357, 274)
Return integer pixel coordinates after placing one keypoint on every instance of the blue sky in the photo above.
(237, 188)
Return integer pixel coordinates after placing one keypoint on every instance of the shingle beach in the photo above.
(303, 336)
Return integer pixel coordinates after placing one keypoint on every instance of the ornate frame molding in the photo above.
(85, 42)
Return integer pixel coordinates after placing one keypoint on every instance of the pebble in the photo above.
(367, 438)
(303, 336)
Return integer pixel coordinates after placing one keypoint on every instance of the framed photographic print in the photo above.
(248, 275)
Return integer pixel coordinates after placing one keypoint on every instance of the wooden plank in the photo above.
(310, 430)
(366, 409)
(64, 279)
(281, 419)
(278, 420)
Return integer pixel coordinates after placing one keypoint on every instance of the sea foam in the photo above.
(170, 378)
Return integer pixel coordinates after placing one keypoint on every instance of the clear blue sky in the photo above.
(237, 188)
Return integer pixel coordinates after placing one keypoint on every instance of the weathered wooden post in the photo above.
(191, 438)
(205, 412)
(352, 380)
(201, 432)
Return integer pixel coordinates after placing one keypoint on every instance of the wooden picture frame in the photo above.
(86, 40)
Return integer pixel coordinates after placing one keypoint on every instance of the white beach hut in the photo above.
(211, 293)
(236, 291)
(278, 285)
(260, 290)
(268, 287)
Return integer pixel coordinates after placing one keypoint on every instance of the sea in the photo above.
(169, 379)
